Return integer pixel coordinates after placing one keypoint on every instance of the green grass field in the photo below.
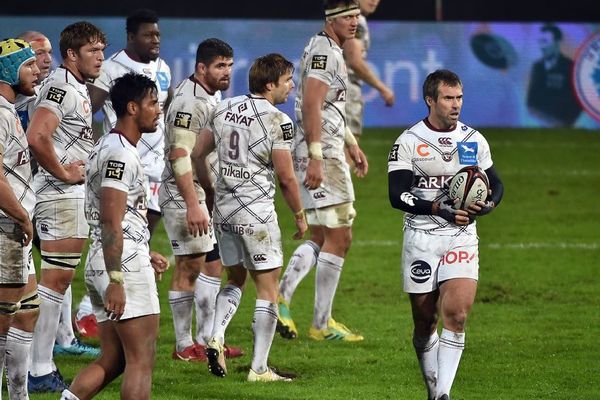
(533, 332)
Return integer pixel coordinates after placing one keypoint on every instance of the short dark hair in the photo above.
(130, 87)
(77, 35)
(138, 17)
(212, 48)
(554, 30)
(267, 69)
(433, 80)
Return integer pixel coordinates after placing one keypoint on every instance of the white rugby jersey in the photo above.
(434, 157)
(15, 160)
(69, 100)
(151, 144)
(115, 163)
(323, 60)
(362, 34)
(192, 108)
(247, 129)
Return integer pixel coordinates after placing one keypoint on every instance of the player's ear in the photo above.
(429, 100)
(270, 86)
(201, 68)
(71, 54)
(132, 108)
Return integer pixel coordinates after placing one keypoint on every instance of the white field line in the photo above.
(495, 246)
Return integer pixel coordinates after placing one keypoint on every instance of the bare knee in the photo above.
(186, 272)
(455, 319)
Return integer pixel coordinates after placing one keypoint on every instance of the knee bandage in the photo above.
(68, 261)
(30, 302)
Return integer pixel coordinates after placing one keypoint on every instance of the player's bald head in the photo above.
(32, 36)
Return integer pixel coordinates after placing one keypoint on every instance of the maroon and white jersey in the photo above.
(191, 109)
(115, 163)
(247, 129)
(15, 161)
(151, 144)
(68, 98)
(434, 157)
(323, 60)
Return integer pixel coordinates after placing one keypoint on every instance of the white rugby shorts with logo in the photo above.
(256, 246)
(60, 218)
(428, 260)
(182, 242)
(141, 294)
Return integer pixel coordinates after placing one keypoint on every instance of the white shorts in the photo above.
(182, 242)
(61, 219)
(153, 189)
(16, 261)
(336, 187)
(336, 216)
(428, 260)
(355, 106)
(141, 294)
(256, 246)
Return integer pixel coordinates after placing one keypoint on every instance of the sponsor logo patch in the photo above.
(288, 131)
(318, 62)
(56, 95)
(420, 271)
(422, 150)
(115, 169)
(394, 153)
(259, 258)
(183, 120)
(467, 153)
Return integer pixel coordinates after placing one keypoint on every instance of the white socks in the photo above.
(182, 304)
(66, 395)
(303, 259)
(18, 343)
(228, 301)
(44, 334)
(329, 269)
(205, 297)
(452, 345)
(427, 354)
(263, 326)
(64, 333)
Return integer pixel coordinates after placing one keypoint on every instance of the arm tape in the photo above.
(186, 140)
(399, 183)
(349, 138)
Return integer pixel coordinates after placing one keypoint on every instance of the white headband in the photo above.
(342, 11)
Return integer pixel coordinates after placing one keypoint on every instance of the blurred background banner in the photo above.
(514, 74)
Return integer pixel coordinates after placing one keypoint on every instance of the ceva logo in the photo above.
(586, 75)
(420, 271)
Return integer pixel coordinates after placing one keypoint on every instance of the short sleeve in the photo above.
(484, 155)
(120, 170)
(283, 132)
(322, 65)
(60, 98)
(400, 156)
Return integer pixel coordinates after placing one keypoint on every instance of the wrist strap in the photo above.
(115, 277)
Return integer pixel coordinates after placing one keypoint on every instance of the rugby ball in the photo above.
(469, 185)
